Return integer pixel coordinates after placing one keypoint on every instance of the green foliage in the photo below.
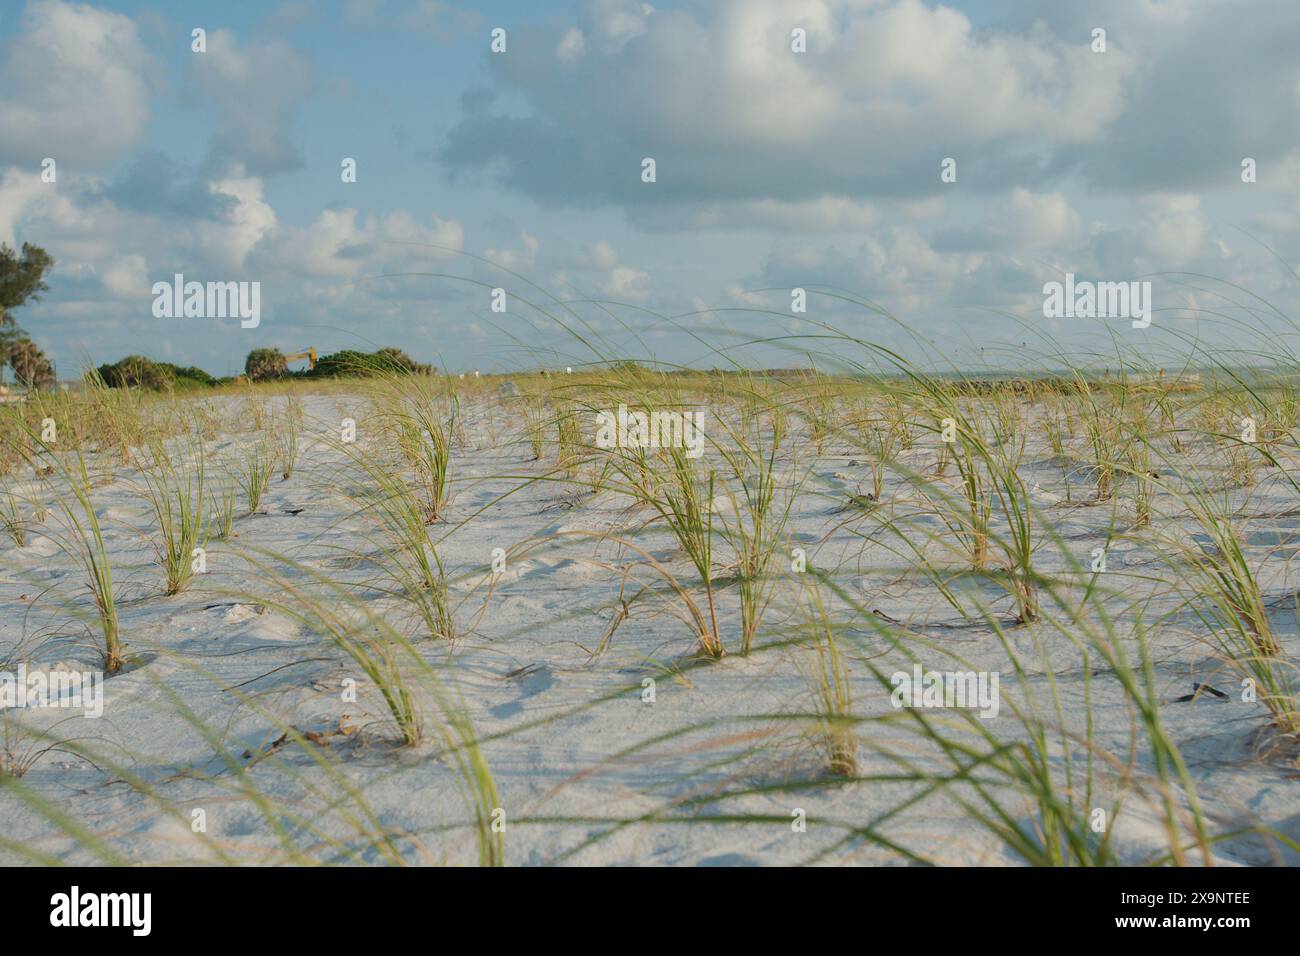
(22, 277)
(348, 363)
(191, 376)
(265, 364)
(136, 371)
(31, 368)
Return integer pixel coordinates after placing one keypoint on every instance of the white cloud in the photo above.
(599, 255)
(922, 210)
(627, 284)
(1172, 229)
(516, 260)
(257, 90)
(20, 190)
(242, 227)
(1041, 220)
(74, 85)
(730, 113)
(758, 300)
(125, 277)
(572, 45)
(618, 21)
(108, 256)
(615, 279)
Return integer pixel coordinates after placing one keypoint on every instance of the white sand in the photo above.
(228, 661)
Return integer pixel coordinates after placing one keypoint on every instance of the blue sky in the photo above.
(775, 170)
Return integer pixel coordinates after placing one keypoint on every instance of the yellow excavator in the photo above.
(309, 355)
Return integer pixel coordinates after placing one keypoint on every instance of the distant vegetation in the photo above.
(262, 365)
(22, 279)
(348, 363)
(136, 371)
(269, 364)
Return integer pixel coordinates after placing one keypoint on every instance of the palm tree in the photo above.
(265, 363)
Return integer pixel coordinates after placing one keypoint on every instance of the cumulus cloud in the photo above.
(571, 46)
(775, 169)
(257, 89)
(522, 258)
(341, 244)
(1214, 82)
(599, 255)
(1032, 223)
(74, 85)
(627, 284)
(124, 277)
(599, 267)
(20, 190)
(730, 113)
(618, 21)
(1172, 229)
(109, 254)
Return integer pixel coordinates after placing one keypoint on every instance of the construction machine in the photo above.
(309, 355)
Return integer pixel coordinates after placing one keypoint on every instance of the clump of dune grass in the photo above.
(254, 474)
(1222, 565)
(679, 495)
(221, 512)
(1101, 423)
(424, 423)
(758, 523)
(20, 750)
(411, 562)
(12, 518)
(685, 504)
(971, 525)
(1222, 589)
(535, 421)
(398, 672)
(175, 493)
(988, 471)
(1143, 474)
(432, 456)
(115, 417)
(289, 428)
(831, 688)
(568, 439)
(325, 608)
(83, 541)
(254, 411)
(879, 440)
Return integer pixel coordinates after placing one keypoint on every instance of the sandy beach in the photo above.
(572, 718)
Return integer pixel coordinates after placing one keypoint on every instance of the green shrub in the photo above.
(349, 362)
(136, 371)
(265, 364)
